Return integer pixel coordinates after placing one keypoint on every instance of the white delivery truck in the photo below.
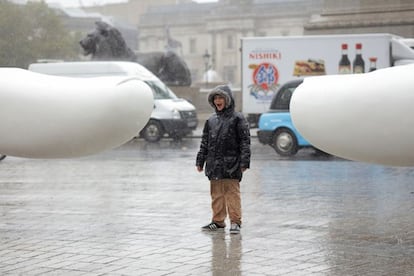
(270, 62)
(272, 68)
(171, 116)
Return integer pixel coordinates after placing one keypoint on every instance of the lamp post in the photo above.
(206, 58)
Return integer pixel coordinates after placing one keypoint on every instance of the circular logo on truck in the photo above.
(266, 76)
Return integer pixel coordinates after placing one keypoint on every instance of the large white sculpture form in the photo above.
(363, 117)
(43, 116)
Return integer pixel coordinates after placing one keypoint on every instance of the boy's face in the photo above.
(219, 102)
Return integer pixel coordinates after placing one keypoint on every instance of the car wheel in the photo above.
(2, 156)
(153, 131)
(285, 142)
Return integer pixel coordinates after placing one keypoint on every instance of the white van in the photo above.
(172, 116)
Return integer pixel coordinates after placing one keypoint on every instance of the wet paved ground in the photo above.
(137, 210)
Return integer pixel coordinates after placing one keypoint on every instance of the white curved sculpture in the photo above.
(43, 116)
(363, 117)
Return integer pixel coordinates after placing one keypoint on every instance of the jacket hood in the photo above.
(224, 91)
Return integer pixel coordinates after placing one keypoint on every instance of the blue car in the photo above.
(275, 126)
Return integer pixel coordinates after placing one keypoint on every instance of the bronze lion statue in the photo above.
(107, 43)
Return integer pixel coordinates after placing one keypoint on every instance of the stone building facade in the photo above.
(364, 16)
(217, 27)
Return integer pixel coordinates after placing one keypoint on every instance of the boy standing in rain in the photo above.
(225, 152)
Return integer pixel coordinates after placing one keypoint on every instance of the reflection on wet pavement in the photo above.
(226, 253)
(138, 209)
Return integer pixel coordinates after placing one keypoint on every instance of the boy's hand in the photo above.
(243, 169)
(199, 169)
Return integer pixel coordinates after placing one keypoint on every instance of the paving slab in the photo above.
(138, 209)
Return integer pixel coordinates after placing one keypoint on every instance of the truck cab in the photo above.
(275, 126)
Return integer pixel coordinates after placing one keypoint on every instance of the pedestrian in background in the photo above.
(225, 152)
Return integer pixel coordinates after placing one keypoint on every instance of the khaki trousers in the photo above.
(225, 199)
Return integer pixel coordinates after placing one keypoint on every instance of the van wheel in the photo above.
(153, 131)
(285, 142)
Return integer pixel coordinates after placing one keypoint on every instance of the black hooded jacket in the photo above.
(225, 142)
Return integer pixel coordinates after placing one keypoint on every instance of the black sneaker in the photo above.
(212, 227)
(235, 228)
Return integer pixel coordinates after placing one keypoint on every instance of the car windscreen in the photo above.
(160, 90)
(281, 100)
